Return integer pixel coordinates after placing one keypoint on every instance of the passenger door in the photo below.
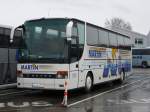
(74, 66)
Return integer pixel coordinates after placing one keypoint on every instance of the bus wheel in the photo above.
(88, 82)
(144, 64)
(122, 76)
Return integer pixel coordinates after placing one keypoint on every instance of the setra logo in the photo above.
(30, 67)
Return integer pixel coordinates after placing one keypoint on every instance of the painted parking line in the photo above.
(122, 86)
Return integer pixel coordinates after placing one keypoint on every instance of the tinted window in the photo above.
(92, 35)
(138, 41)
(127, 41)
(146, 52)
(120, 40)
(74, 44)
(17, 40)
(77, 42)
(141, 51)
(1, 31)
(74, 35)
(1, 36)
(4, 37)
(52, 32)
(81, 34)
(7, 32)
(113, 39)
(103, 38)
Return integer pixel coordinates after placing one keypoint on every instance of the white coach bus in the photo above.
(57, 48)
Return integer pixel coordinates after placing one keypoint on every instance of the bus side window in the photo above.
(17, 40)
(120, 41)
(103, 38)
(127, 42)
(113, 40)
(4, 37)
(74, 45)
(92, 35)
(134, 57)
(81, 35)
(1, 36)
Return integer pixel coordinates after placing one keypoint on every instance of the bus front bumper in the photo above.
(34, 83)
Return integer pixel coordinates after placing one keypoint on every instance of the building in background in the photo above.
(148, 39)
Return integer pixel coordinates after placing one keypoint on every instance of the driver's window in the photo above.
(74, 45)
(74, 35)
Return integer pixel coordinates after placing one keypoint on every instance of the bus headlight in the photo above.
(62, 74)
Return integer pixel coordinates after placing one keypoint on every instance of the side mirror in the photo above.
(69, 30)
(13, 32)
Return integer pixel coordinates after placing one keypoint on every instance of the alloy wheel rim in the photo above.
(89, 82)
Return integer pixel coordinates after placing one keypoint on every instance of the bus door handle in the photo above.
(77, 66)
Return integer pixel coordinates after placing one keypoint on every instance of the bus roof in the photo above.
(6, 26)
(83, 22)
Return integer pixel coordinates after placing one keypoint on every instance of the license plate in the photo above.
(37, 86)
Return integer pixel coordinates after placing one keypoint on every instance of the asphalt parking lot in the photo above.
(132, 96)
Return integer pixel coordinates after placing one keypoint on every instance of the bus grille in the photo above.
(39, 75)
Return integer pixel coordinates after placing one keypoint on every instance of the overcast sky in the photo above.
(137, 12)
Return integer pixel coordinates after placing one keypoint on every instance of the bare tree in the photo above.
(118, 22)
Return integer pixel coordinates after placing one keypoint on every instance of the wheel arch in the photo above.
(144, 62)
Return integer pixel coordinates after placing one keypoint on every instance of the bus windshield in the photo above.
(44, 41)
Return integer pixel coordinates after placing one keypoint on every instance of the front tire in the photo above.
(88, 83)
(144, 65)
(122, 76)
